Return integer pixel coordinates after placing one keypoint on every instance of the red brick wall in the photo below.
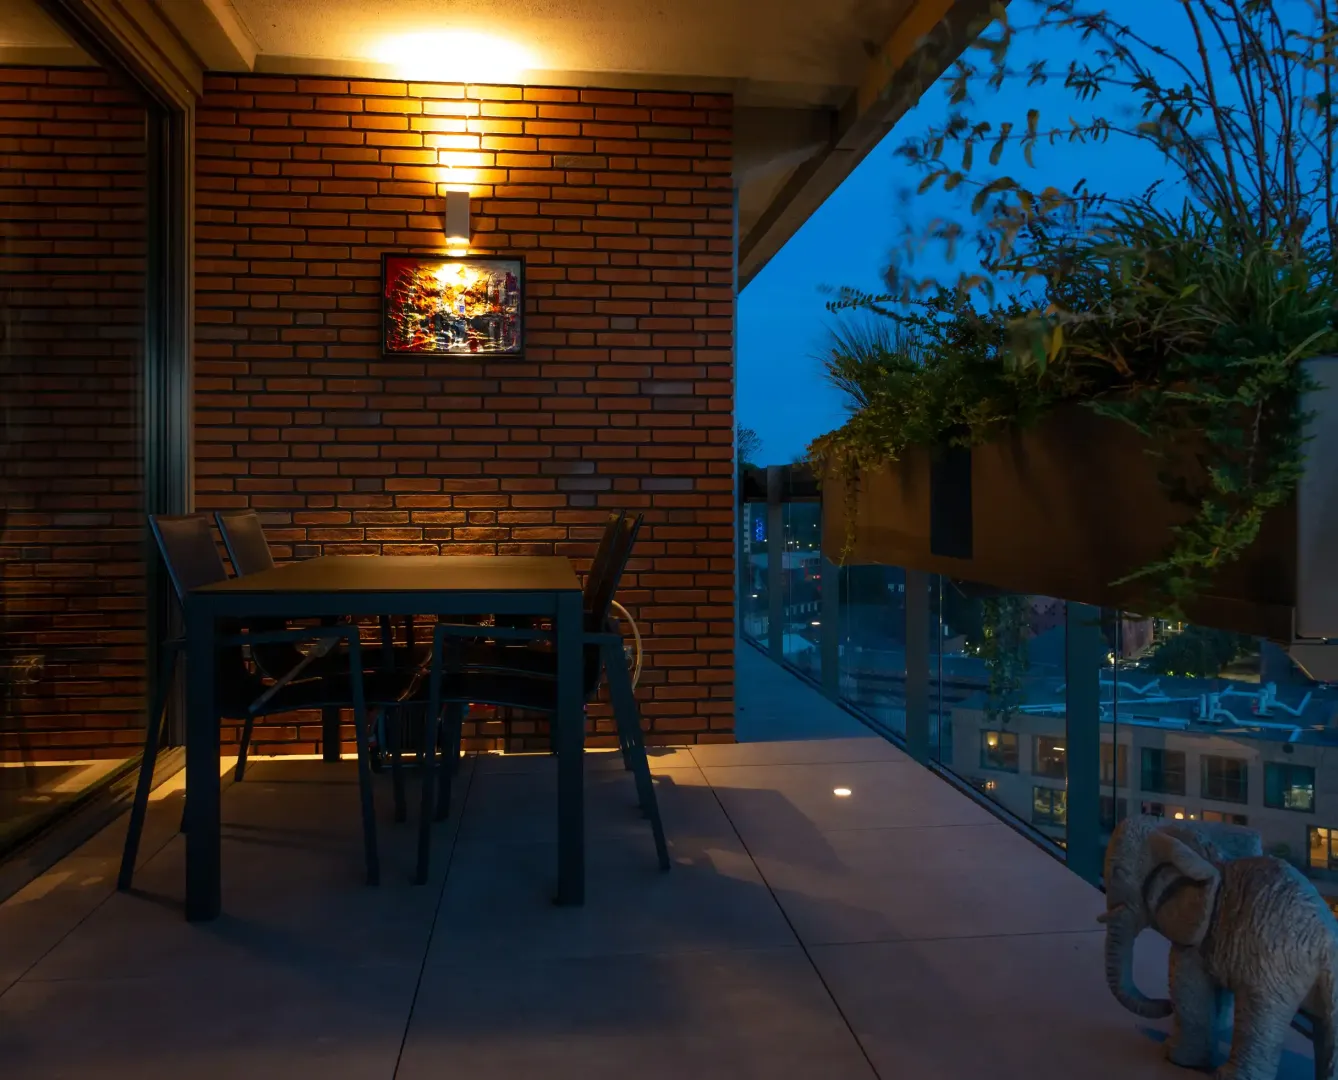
(71, 507)
(621, 204)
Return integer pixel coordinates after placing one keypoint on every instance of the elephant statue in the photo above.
(1129, 861)
(1254, 928)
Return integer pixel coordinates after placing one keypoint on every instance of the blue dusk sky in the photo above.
(782, 321)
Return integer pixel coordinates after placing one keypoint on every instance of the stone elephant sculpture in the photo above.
(1254, 928)
(1129, 860)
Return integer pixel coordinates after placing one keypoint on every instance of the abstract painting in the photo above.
(439, 305)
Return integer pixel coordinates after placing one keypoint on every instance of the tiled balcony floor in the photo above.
(901, 932)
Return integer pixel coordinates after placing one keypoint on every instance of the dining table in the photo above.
(370, 586)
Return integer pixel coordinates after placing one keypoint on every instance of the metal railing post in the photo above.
(1083, 653)
(831, 629)
(917, 664)
(775, 565)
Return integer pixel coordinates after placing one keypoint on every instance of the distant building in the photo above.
(1189, 749)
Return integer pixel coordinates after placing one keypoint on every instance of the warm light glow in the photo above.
(459, 245)
(841, 792)
(455, 56)
(1179, 815)
(455, 274)
(991, 739)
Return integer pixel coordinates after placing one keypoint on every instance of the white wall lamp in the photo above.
(457, 222)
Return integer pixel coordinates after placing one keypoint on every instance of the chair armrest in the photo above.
(444, 630)
(327, 636)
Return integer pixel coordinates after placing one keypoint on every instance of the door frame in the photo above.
(149, 59)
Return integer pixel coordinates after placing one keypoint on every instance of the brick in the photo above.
(300, 416)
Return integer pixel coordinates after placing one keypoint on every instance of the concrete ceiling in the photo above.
(816, 86)
(777, 52)
(28, 36)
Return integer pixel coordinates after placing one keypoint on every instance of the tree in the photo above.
(749, 446)
(1198, 652)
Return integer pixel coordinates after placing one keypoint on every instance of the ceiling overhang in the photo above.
(813, 94)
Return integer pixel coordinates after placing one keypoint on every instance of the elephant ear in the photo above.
(1181, 892)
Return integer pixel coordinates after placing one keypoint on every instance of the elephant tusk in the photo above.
(1111, 913)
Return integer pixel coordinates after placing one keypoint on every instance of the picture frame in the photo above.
(469, 306)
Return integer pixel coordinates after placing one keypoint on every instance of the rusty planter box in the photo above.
(1074, 504)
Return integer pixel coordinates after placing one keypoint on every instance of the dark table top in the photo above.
(333, 574)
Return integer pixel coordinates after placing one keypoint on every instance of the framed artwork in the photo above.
(452, 305)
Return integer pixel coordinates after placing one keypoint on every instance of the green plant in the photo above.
(1197, 652)
(1004, 649)
(1188, 324)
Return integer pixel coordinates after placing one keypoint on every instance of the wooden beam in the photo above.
(931, 36)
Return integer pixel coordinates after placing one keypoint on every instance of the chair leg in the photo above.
(247, 728)
(628, 719)
(152, 740)
(431, 716)
(373, 857)
(450, 739)
(392, 723)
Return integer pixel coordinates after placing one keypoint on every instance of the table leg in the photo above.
(570, 721)
(330, 733)
(203, 841)
(329, 721)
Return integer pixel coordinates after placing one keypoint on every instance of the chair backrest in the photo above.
(189, 552)
(596, 579)
(249, 551)
(600, 598)
(244, 537)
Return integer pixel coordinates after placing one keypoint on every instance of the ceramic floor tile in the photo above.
(741, 1015)
(522, 807)
(797, 752)
(1018, 1007)
(39, 916)
(497, 902)
(778, 802)
(294, 891)
(252, 1022)
(953, 881)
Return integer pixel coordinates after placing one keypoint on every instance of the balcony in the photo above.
(901, 930)
(886, 791)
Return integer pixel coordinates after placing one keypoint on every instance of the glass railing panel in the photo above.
(1225, 727)
(999, 690)
(872, 651)
(1122, 637)
(754, 595)
(802, 638)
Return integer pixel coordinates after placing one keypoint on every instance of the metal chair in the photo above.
(249, 551)
(534, 656)
(450, 683)
(186, 545)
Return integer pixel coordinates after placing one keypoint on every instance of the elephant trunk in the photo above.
(1120, 935)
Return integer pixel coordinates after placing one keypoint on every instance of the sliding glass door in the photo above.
(83, 262)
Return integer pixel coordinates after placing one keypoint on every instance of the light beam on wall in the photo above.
(457, 221)
(455, 56)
